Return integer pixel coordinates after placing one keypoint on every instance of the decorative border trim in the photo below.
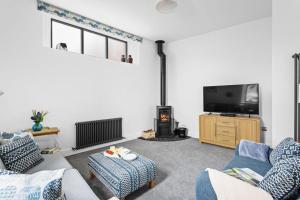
(48, 8)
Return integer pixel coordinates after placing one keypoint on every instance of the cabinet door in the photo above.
(248, 129)
(207, 128)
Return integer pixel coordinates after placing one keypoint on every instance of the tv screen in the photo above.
(236, 99)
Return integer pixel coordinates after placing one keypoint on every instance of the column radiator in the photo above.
(97, 132)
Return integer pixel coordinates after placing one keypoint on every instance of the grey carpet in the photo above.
(178, 165)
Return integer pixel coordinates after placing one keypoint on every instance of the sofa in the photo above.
(204, 189)
(73, 184)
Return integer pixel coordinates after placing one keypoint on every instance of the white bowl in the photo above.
(129, 156)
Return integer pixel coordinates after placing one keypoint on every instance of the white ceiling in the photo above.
(192, 17)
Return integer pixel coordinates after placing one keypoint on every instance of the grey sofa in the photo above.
(74, 186)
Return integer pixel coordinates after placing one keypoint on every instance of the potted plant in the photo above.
(37, 118)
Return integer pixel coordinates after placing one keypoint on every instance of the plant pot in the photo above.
(37, 127)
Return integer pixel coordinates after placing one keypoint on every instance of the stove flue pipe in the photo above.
(163, 68)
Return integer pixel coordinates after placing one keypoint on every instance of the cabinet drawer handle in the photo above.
(225, 140)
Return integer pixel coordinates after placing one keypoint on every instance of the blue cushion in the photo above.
(20, 155)
(283, 180)
(285, 149)
(254, 150)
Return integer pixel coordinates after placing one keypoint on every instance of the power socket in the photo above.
(264, 128)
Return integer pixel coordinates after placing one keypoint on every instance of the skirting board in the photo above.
(69, 152)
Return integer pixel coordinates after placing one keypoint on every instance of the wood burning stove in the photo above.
(164, 122)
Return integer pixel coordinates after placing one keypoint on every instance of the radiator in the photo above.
(97, 132)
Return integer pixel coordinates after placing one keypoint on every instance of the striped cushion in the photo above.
(20, 155)
(120, 176)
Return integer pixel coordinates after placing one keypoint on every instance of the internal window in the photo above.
(116, 48)
(94, 44)
(66, 37)
(72, 38)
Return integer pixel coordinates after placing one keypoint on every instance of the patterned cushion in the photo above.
(43, 185)
(283, 179)
(6, 137)
(20, 155)
(286, 149)
(7, 172)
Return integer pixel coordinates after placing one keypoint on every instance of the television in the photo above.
(231, 99)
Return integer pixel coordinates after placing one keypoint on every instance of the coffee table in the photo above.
(122, 177)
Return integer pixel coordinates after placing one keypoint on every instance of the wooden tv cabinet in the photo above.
(228, 131)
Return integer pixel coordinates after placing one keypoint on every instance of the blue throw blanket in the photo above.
(254, 150)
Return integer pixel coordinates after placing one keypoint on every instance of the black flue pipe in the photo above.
(163, 68)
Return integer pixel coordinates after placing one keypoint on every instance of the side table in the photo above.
(46, 131)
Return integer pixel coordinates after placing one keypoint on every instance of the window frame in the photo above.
(82, 37)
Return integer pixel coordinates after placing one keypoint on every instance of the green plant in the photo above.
(38, 117)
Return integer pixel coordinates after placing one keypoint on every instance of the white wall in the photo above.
(72, 87)
(236, 55)
(285, 43)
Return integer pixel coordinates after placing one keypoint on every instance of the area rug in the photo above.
(178, 165)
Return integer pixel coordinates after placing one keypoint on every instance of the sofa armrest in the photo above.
(204, 189)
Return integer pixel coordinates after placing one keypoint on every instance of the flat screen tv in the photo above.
(232, 99)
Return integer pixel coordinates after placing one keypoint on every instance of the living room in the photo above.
(177, 49)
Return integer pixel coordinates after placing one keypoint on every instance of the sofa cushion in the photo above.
(41, 185)
(254, 150)
(75, 187)
(283, 180)
(20, 155)
(6, 137)
(7, 172)
(2, 166)
(225, 191)
(51, 162)
(285, 149)
(258, 166)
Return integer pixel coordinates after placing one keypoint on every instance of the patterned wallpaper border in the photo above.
(48, 8)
